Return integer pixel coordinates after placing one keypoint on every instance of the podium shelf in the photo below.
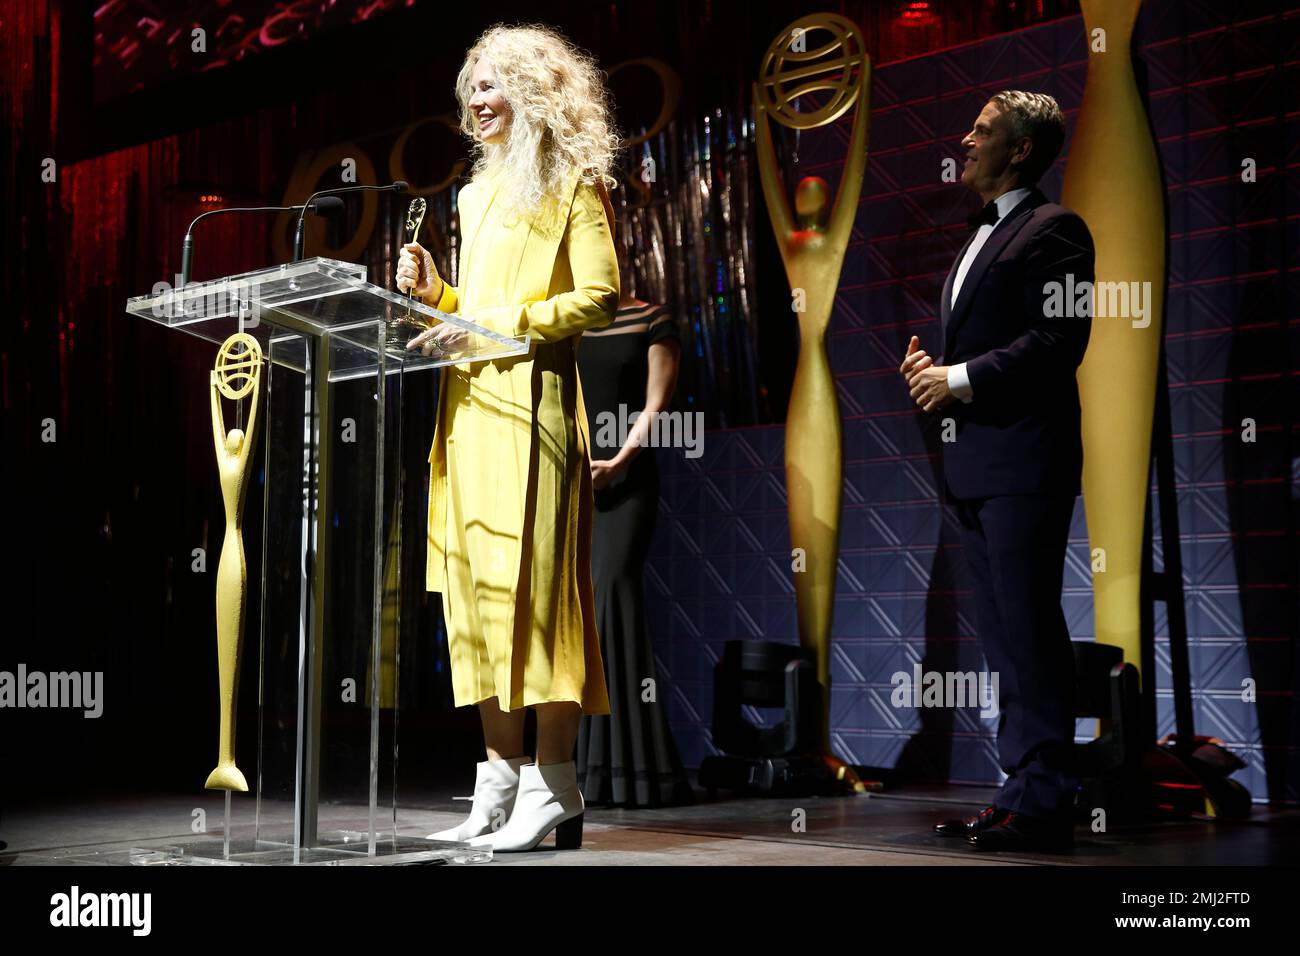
(320, 298)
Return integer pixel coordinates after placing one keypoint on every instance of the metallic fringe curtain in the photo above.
(686, 229)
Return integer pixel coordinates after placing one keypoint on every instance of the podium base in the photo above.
(337, 848)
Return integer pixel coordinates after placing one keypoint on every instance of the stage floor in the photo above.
(881, 829)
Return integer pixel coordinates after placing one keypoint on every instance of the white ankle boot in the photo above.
(548, 799)
(495, 785)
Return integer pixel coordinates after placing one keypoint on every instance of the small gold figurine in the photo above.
(414, 219)
(237, 372)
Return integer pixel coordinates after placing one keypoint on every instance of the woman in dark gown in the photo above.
(627, 758)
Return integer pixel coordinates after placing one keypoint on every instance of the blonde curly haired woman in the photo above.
(510, 497)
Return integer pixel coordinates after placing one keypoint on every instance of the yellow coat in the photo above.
(510, 496)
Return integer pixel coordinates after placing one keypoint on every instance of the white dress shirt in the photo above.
(958, 380)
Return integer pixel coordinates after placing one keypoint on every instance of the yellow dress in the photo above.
(510, 496)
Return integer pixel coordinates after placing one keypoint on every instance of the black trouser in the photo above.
(1015, 548)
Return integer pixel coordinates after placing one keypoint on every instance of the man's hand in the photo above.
(930, 387)
(927, 382)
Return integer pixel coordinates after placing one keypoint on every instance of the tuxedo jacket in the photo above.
(1019, 434)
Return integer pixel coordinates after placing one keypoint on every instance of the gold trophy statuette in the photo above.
(1112, 180)
(813, 241)
(236, 375)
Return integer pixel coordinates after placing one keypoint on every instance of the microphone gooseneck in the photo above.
(317, 207)
(299, 240)
(187, 256)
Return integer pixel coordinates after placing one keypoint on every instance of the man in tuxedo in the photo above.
(1006, 378)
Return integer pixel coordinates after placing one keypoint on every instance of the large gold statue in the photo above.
(813, 242)
(236, 375)
(1112, 180)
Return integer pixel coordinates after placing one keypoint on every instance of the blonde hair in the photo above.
(560, 121)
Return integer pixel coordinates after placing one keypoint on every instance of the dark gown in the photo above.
(625, 758)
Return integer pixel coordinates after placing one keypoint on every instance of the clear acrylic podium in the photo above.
(326, 630)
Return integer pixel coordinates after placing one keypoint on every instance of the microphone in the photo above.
(319, 207)
(399, 186)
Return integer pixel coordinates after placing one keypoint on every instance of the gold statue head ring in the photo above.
(239, 365)
(792, 67)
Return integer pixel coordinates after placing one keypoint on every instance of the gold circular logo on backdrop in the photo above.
(792, 67)
(238, 371)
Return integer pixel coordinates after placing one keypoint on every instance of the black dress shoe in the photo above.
(986, 818)
(1021, 833)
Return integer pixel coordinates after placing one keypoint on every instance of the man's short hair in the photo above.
(1038, 117)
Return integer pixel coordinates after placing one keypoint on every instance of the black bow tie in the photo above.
(989, 214)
